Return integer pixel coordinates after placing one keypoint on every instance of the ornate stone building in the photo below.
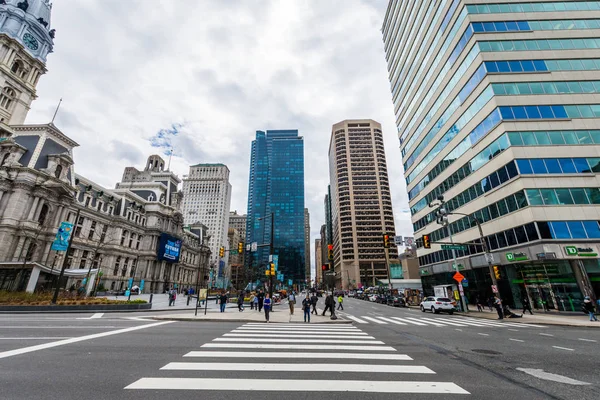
(118, 234)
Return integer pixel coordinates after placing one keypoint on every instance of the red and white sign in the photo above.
(494, 288)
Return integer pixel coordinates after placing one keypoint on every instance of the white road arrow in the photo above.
(539, 373)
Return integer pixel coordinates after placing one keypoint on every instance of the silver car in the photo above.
(437, 304)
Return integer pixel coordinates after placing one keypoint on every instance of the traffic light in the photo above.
(386, 241)
(240, 247)
(497, 272)
(324, 267)
(426, 241)
(273, 269)
(330, 251)
(222, 252)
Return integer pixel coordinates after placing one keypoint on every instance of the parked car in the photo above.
(437, 305)
(396, 301)
(373, 298)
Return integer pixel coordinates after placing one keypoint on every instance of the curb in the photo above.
(191, 319)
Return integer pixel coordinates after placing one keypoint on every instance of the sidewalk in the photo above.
(280, 315)
(543, 318)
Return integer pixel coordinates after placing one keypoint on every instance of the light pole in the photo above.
(65, 259)
(442, 219)
(272, 239)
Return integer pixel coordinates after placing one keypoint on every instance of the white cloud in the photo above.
(217, 70)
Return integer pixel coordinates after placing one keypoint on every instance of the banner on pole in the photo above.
(61, 241)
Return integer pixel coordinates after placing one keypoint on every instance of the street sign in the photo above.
(409, 241)
(494, 289)
(254, 246)
(398, 240)
(458, 277)
(489, 257)
(232, 252)
(460, 289)
(454, 247)
(465, 282)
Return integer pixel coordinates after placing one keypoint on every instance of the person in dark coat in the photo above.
(240, 301)
(314, 300)
(261, 299)
(526, 305)
(588, 306)
(223, 301)
(329, 304)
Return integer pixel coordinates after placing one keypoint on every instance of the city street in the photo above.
(392, 351)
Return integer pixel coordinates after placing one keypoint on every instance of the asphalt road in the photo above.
(128, 356)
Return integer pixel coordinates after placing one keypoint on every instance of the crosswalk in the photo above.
(440, 322)
(257, 357)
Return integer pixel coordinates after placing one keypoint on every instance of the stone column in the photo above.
(33, 209)
(33, 279)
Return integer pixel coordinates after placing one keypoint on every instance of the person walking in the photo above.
(479, 306)
(172, 297)
(291, 302)
(306, 303)
(240, 301)
(223, 301)
(314, 299)
(255, 301)
(589, 307)
(252, 298)
(267, 305)
(498, 305)
(340, 301)
(261, 299)
(329, 304)
(526, 305)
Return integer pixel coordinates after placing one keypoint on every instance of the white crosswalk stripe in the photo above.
(438, 322)
(280, 352)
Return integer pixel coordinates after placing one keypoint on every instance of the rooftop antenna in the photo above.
(56, 112)
(170, 155)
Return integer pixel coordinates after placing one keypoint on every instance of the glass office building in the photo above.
(276, 185)
(497, 106)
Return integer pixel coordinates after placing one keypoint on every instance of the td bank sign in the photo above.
(574, 251)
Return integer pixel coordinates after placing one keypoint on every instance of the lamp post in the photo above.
(65, 260)
(442, 219)
(271, 245)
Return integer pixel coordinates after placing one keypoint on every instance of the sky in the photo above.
(138, 77)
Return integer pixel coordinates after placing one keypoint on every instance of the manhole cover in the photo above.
(488, 352)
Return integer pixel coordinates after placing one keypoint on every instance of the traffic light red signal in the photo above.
(330, 251)
(324, 267)
(426, 241)
(386, 241)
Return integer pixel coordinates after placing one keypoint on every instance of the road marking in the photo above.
(94, 316)
(282, 354)
(431, 321)
(291, 332)
(35, 338)
(563, 348)
(393, 369)
(375, 320)
(540, 373)
(483, 334)
(456, 329)
(546, 334)
(353, 318)
(455, 323)
(410, 320)
(301, 385)
(303, 329)
(319, 340)
(58, 327)
(296, 346)
(391, 320)
(300, 326)
(290, 335)
(587, 340)
(513, 330)
(44, 346)
(516, 340)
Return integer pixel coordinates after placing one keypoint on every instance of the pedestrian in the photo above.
(491, 302)
(222, 301)
(261, 299)
(526, 305)
(479, 306)
(240, 301)
(314, 300)
(498, 305)
(589, 307)
(306, 303)
(340, 301)
(172, 297)
(291, 302)
(329, 304)
(252, 297)
(267, 305)
(255, 301)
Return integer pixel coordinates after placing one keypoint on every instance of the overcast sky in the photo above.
(204, 75)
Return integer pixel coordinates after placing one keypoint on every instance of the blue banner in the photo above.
(61, 241)
(141, 286)
(130, 283)
(290, 282)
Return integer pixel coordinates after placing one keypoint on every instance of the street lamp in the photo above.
(442, 219)
(271, 254)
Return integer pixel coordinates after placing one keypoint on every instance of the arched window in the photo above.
(58, 171)
(17, 65)
(43, 214)
(7, 97)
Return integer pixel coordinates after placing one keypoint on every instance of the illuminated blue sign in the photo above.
(169, 248)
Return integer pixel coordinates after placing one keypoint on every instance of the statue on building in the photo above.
(23, 5)
(41, 21)
(52, 33)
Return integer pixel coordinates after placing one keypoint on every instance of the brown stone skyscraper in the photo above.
(361, 203)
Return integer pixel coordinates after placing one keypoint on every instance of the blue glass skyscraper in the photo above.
(276, 185)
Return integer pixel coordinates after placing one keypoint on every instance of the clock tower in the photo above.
(26, 38)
